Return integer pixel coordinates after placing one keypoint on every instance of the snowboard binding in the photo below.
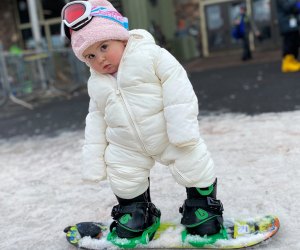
(202, 213)
(135, 221)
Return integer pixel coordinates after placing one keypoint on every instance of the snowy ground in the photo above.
(256, 161)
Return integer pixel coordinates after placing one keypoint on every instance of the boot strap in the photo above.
(210, 203)
(119, 210)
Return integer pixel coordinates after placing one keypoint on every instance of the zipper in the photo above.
(129, 115)
(128, 112)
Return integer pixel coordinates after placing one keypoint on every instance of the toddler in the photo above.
(142, 109)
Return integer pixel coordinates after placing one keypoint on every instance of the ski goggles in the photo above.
(77, 14)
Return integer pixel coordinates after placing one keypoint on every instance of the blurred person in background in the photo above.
(243, 24)
(288, 18)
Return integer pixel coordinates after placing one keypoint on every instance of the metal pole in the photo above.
(3, 68)
(35, 27)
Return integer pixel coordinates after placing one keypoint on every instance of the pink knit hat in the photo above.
(99, 29)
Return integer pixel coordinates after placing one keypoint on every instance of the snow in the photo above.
(257, 164)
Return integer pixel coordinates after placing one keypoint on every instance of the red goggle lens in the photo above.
(73, 12)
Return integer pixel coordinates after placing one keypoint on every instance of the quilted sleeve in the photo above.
(180, 101)
(94, 167)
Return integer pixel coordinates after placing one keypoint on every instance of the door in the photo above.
(263, 13)
(219, 23)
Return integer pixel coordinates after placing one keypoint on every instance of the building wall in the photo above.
(163, 18)
(188, 32)
(187, 16)
(143, 14)
(8, 32)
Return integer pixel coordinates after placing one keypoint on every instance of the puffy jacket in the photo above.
(150, 104)
(287, 10)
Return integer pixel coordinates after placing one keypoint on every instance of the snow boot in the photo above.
(134, 217)
(201, 211)
(290, 64)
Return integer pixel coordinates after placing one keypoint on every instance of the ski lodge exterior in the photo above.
(189, 28)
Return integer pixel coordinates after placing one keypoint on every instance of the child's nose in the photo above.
(101, 59)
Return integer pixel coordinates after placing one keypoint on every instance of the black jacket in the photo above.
(288, 15)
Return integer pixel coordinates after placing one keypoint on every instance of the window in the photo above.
(49, 20)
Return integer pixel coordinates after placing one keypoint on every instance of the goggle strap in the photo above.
(79, 25)
(110, 14)
(123, 23)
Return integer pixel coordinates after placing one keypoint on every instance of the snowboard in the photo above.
(237, 233)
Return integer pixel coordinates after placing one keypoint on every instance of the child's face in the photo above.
(104, 57)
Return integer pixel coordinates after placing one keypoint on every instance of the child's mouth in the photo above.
(106, 67)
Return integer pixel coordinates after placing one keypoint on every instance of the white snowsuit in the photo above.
(149, 113)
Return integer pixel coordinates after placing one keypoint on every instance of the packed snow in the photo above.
(257, 164)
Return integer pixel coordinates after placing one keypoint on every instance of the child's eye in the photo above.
(90, 57)
(104, 47)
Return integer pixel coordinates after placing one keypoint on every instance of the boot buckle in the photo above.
(154, 210)
(215, 204)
